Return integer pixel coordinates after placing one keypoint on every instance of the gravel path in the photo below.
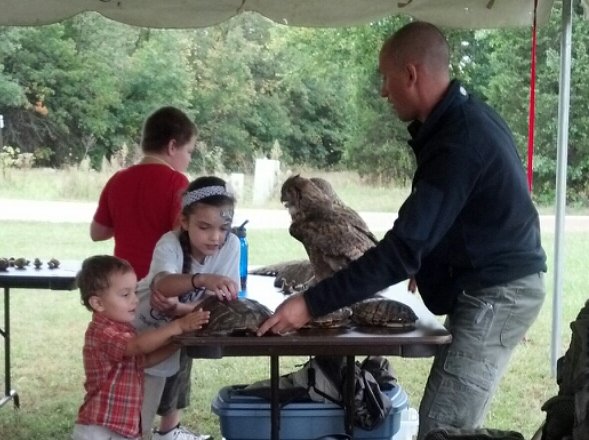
(77, 212)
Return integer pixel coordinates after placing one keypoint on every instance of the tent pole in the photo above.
(561, 182)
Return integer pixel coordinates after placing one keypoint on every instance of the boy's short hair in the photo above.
(163, 125)
(94, 277)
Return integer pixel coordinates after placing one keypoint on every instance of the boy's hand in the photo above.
(222, 287)
(194, 320)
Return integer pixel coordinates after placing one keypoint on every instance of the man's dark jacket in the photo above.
(468, 223)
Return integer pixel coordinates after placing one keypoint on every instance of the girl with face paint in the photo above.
(199, 259)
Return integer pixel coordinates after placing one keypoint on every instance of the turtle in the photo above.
(242, 316)
(337, 319)
(379, 311)
(4, 264)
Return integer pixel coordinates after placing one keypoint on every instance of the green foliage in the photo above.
(157, 74)
(377, 144)
(502, 66)
(318, 138)
(82, 88)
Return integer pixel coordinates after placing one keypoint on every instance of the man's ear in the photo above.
(96, 303)
(411, 72)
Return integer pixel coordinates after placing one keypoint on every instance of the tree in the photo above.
(377, 146)
(33, 112)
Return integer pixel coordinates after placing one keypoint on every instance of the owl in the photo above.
(332, 233)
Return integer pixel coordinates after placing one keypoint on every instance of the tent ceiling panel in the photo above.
(200, 13)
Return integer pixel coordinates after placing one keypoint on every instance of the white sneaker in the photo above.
(180, 433)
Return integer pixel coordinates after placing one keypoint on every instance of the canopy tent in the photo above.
(469, 14)
(199, 13)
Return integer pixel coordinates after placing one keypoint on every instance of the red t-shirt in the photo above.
(114, 381)
(140, 203)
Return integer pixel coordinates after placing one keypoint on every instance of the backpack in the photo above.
(322, 378)
(567, 413)
(473, 434)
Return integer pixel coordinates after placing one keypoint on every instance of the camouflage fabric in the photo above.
(567, 414)
(473, 434)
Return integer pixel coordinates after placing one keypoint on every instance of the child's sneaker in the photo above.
(180, 433)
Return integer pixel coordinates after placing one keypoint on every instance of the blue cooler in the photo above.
(248, 418)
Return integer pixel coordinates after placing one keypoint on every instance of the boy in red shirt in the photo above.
(141, 203)
(114, 355)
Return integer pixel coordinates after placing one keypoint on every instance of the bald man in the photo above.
(468, 233)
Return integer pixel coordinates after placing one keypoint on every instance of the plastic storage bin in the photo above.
(248, 418)
(409, 425)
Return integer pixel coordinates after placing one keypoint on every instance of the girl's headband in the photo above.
(202, 193)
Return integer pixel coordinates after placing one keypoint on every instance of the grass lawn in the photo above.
(76, 184)
(48, 328)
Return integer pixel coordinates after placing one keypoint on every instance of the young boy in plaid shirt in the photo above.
(114, 355)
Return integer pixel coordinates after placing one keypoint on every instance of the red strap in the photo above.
(532, 118)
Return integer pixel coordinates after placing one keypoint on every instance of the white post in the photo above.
(236, 182)
(265, 179)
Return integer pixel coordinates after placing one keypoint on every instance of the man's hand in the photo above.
(412, 286)
(291, 315)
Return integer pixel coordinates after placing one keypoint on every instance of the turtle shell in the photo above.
(383, 312)
(229, 318)
(337, 319)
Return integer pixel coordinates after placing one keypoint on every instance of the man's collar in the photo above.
(455, 94)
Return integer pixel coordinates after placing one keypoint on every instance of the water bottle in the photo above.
(243, 251)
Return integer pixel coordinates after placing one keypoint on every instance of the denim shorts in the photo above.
(486, 325)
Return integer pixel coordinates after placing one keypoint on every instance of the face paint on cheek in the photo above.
(227, 215)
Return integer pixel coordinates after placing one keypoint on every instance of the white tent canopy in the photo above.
(467, 14)
(200, 13)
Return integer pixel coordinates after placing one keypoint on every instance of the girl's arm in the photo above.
(172, 284)
(175, 284)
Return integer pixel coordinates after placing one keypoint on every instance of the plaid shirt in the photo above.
(114, 382)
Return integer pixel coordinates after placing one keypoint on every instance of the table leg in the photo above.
(9, 394)
(348, 395)
(274, 399)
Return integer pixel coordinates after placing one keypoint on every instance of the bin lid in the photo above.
(230, 398)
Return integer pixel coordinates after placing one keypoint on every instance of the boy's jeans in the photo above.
(486, 325)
